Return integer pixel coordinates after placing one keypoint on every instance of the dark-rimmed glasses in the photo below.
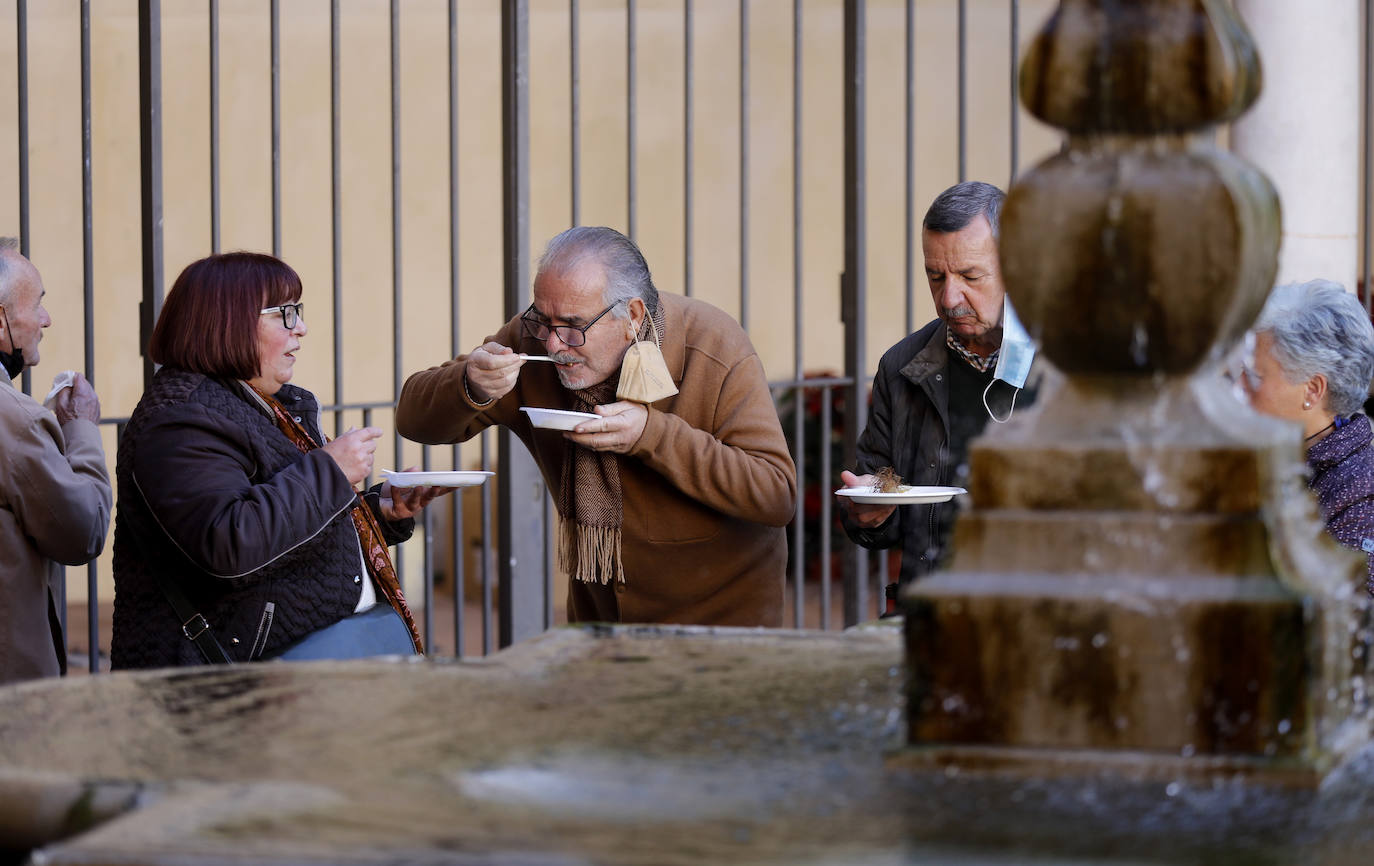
(290, 313)
(571, 335)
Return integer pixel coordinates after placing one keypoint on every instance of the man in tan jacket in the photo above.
(54, 486)
(672, 506)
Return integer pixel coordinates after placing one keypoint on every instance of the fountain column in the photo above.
(1143, 581)
(1304, 131)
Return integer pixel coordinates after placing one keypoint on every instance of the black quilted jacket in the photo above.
(257, 534)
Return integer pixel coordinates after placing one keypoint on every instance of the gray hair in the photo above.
(1319, 327)
(961, 204)
(627, 274)
(7, 245)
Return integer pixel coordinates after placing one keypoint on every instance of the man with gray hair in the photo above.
(676, 484)
(54, 485)
(935, 390)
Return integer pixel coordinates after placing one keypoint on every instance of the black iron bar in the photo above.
(87, 201)
(798, 310)
(366, 405)
(88, 304)
(21, 14)
(1368, 125)
(459, 547)
(523, 532)
(21, 46)
(367, 422)
(631, 167)
(744, 163)
(336, 204)
(275, 15)
(150, 158)
(337, 208)
(428, 564)
(854, 311)
(798, 331)
(963, 90)
(574, 111)
(827, 407)
(215, 227)
(488, 626)
(813, 382)
(799, 518)
(455, 311)
(880, 584)
(687, 149)
(1015, 13)
(397, 325)
(549, 550)
(909, 159)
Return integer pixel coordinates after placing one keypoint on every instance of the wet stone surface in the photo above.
(626, 745)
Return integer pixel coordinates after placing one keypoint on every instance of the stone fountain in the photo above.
(1142, 632)
(1144, 581)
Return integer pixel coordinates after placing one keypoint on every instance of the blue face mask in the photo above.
(1013, 359)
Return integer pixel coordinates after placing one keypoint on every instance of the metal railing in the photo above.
(520, 568)
(526, 570)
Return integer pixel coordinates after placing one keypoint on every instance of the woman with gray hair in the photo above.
(1313, 362)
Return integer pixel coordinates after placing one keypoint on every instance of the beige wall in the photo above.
(56, 193)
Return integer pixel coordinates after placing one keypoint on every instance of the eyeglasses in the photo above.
(290, 314)
(571, 335)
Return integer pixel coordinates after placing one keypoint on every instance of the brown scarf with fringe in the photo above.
(378, 560)
(589, 495)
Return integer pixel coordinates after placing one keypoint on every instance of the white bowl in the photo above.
(556, 419)
(455, 478)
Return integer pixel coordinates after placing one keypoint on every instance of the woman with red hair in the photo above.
(239, 534)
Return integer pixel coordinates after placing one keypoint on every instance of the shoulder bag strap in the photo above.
(194, 625)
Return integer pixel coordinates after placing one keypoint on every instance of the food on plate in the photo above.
(887, 481)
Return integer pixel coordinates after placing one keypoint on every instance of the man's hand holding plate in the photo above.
(617, 430)
(867, 516)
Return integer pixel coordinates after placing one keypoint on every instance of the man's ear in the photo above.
(637, 312)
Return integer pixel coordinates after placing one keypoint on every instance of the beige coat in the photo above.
(54, 510)
(707, 488)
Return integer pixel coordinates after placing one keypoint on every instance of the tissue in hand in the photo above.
(60, 381)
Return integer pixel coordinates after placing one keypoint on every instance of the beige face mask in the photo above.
(644, 375)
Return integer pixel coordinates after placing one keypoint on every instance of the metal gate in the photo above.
(824, 63)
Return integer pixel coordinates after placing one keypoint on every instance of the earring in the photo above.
(1306, 405)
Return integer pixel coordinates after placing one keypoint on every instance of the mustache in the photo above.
(957, 312)
(563, 357)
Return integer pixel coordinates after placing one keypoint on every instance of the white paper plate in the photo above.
(557, 419)
(905, 496)
(436, 479)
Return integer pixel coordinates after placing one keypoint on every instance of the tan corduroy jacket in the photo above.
(707, 488)
(54, 510)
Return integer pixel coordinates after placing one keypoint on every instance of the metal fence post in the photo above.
(150, 137)
(854, 310)
(21, 50)
(521, 489)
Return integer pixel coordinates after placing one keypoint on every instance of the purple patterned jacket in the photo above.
(1342, 468)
